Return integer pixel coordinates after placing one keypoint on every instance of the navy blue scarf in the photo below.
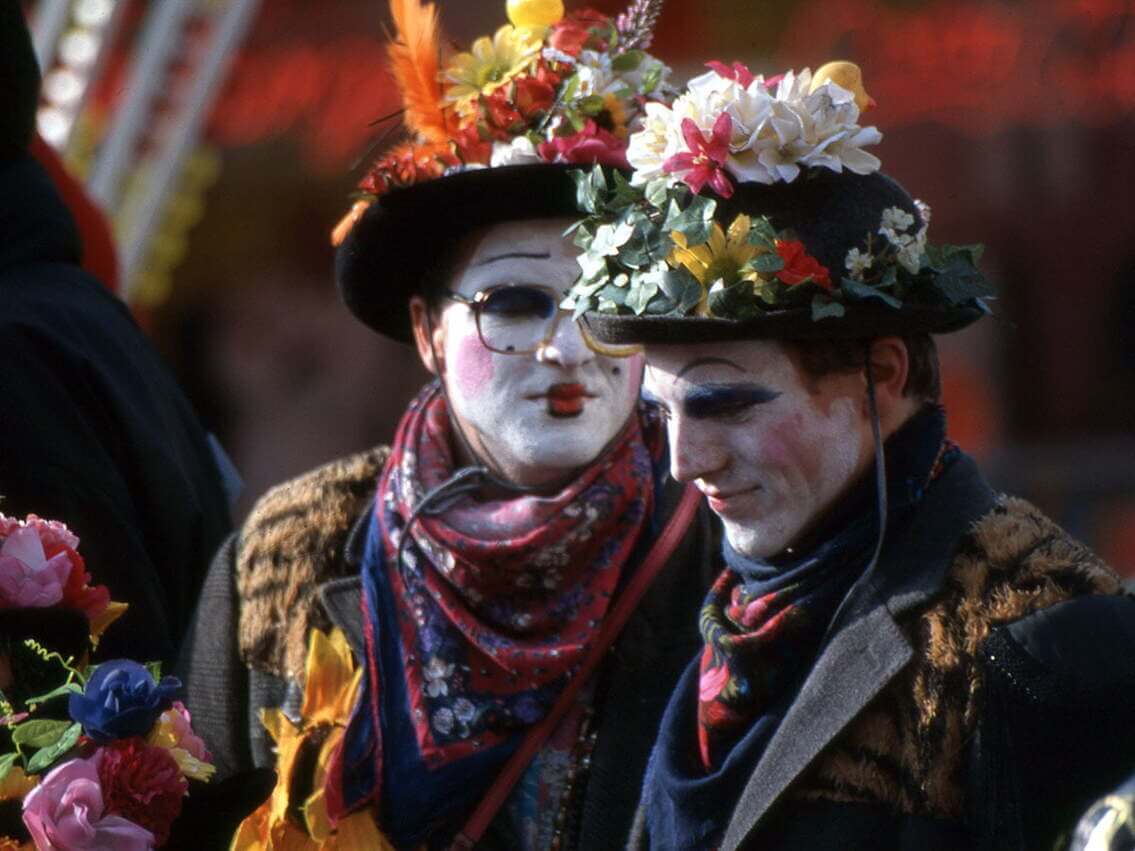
(730, 701)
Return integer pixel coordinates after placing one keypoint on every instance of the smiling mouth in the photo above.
(565, 400)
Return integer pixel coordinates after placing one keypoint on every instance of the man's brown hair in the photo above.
(818, 358)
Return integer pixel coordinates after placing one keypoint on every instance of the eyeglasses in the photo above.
(520, 319)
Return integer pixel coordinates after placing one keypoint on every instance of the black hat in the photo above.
(830, 214)
(393, 250)
(754, 213)
(19, 91)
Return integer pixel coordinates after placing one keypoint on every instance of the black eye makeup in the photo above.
(706, 401)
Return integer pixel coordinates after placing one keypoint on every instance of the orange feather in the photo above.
(413, 57)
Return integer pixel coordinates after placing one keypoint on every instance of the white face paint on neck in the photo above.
(771, 451)
(511, 407)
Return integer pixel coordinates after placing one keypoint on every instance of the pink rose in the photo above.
(590, 145)
(65, 811)
(27, 576)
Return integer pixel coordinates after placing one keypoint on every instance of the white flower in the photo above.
(857, 262)
(910, 254)
(896, 218)
(593, 73)
(443, 721)
(517, 152)
(657, 141)
(436, 674)
(923, 211)
(464, 710)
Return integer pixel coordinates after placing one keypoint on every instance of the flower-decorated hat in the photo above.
(754, 211)
(493, 135)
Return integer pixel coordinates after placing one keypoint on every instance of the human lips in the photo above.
(721, 502)
(566, 399)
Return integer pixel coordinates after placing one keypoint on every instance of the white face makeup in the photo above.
(535, 418)
(770, 452)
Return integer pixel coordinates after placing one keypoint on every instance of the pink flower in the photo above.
(65, 811)
(590, 145)
(701, 164)
(176, 723)
(712, 680)
(738, 72)
(27, 576)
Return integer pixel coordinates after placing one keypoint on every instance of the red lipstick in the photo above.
(566, 400)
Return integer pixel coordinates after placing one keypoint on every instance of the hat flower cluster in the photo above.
(652, 244)
(546, 87)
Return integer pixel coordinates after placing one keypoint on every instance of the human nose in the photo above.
(694, 454)
(564, 344)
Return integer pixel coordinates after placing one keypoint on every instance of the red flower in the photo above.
(404, 165)
(470, 147)
(501, 113)
(142, 783)
(799, 266)
(533, 95)
(573, 32)
(590, 145)
(79, 594)
(702, 162)
(738, 71)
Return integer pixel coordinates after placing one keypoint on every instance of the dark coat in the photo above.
(295, 565)
(975, 693)
(93, 428)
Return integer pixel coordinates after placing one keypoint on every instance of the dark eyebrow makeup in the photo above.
(703, 401)
(696, 362)
(514, 255)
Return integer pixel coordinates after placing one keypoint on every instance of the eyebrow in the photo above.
(514, 255)
(696, 362)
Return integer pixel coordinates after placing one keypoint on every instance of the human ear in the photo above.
(431, 347)
(890, 366)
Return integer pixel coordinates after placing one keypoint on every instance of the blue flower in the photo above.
(121, 700)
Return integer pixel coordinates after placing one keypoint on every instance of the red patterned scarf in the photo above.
(499, 598)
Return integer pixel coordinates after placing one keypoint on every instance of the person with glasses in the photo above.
(895, 656)
(516, 576)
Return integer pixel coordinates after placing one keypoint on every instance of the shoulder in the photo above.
(292, 541)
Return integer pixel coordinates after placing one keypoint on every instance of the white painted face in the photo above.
(771, 450)
(535, 418)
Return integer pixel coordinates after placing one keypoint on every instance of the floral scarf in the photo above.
(763, 623)
(495, 601)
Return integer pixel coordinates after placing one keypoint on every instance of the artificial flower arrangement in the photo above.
(546, 87)
(651, 245)
(91, 757)
(295, 815)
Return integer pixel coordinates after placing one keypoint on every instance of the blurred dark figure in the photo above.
(93, 429)
(1110, 823)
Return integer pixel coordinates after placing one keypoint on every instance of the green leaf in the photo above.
(860, 290)
(639, 296)
(960, 281)
(45, 757)
(768, 263)
(69, 688)
(586, 197)
(593, 266)
(608, 238)
(763, 234)
(628, 61)
(695, 222)
(590, 105)
(6, 763)
(582, 305)
(647, 245)
(681, 287)
(570, 88)
(40, 733)
(656, 192)
(652, 78)
(824, 308)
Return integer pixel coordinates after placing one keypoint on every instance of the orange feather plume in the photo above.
(413, 57)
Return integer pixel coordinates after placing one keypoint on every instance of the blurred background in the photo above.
(223, 138)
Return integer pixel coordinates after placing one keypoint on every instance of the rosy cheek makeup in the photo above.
(472, 365)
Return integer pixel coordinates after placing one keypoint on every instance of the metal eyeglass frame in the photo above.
(477, 301)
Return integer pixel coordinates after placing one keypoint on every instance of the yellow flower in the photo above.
(534, 14)
(15, 785)
(719, 259)
(490, 64)
(99, 624)
(331, 686)
(616, 110)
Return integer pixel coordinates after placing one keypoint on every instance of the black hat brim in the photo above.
(870, 321)
(391, 251)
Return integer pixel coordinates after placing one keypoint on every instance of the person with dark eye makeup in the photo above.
(895, 656)
(516, 576)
